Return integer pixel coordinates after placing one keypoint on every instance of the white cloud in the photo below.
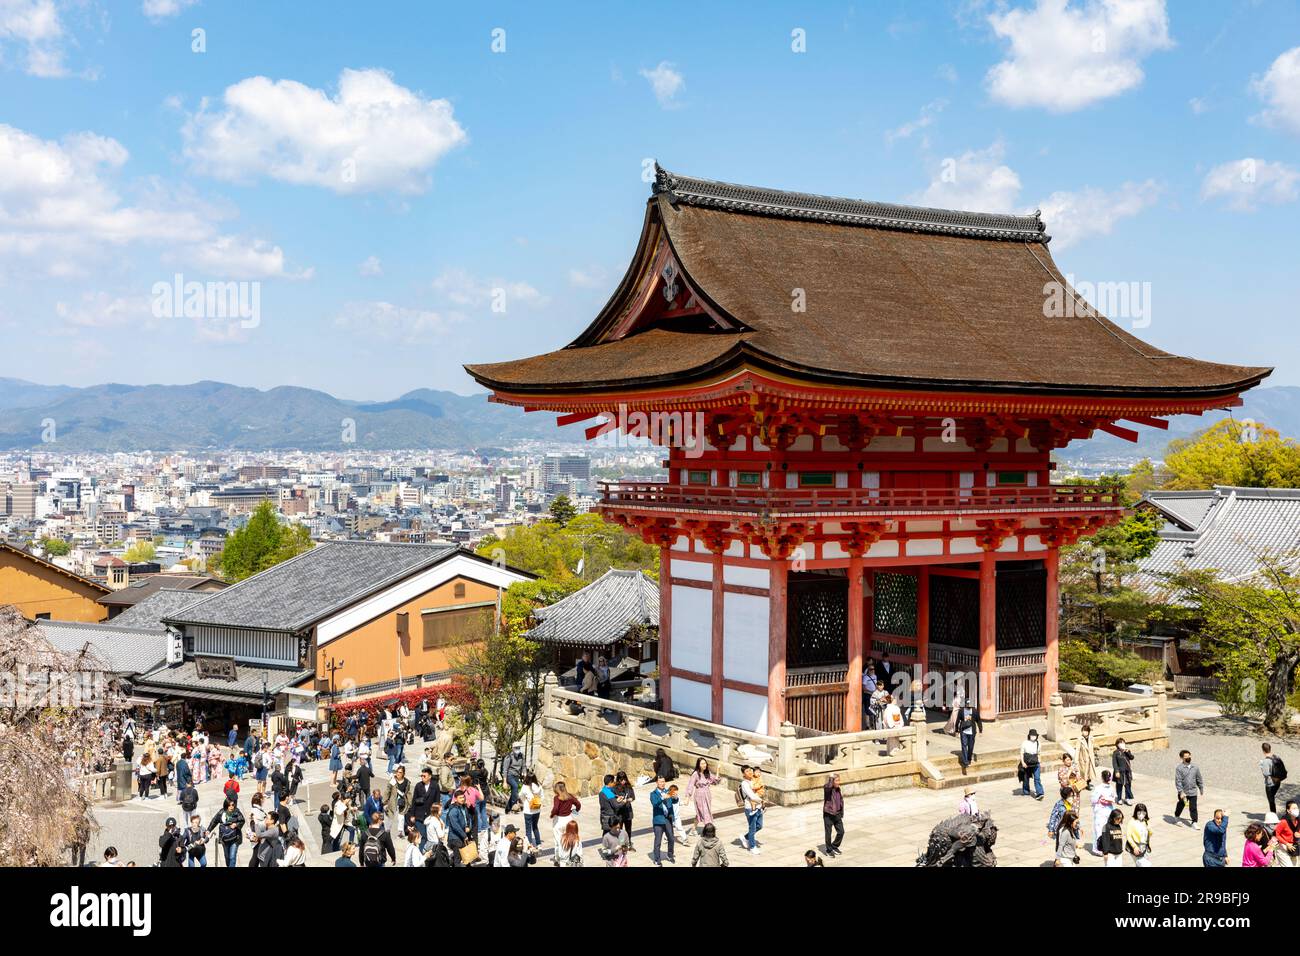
(586, 278)
(947, 72)
(1197, 105)
(161, 9)
(61, 210)
(372, 135)
(371, 267)
(666, 82)
(235, 258)
(1245, 183)
(394, 323)
(459, 289)
(1279, 88)
(1064, 56)
(927, 116)
(1072, 216)
(977, 181)
(35, 26)
(100, 310)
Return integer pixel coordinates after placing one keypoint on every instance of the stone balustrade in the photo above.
(1141, 719)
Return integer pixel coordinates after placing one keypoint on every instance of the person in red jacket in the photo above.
(1288, 852)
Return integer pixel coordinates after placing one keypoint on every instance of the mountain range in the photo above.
(216, 415)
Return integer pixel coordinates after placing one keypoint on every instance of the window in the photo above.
(455, 625)
(697, 477)
(43, 617)
(750, 479)
(1011, 478)
(458, 590)
(816, 479)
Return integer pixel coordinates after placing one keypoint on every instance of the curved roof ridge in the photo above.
(784, 204)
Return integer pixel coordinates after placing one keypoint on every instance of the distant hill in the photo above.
(215, 415)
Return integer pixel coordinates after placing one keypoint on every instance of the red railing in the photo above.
(654, 494)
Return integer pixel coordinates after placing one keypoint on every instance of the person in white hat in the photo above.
(968, 803)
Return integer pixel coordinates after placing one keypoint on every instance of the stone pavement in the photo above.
(882, 829)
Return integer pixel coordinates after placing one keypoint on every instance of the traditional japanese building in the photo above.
(860, 402)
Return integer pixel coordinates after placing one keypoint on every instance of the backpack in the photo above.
(227, 832)
(740, 794)
(1279, 769)
(373, 854)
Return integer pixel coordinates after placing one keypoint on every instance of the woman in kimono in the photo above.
(1103, 802)
(1085, 757)
(699, 789)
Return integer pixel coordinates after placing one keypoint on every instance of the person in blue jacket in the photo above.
(183, 777)
(663, 806)
(1215, 841)
(457, 820)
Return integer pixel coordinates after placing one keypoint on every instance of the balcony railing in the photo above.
(661, 495)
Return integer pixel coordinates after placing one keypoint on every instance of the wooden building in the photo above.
(860, 402)
(41, 590)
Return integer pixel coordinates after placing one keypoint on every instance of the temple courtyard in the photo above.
(882, 829)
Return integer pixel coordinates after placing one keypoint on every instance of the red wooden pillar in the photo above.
(988, 636)
(776, 646)
(719, 605)
(853, 704)
(923, 622)
(665, 626)
(1052, 658)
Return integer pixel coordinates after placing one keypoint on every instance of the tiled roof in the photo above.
(601, 613)
(1186, 509)
(157, 605)
(298, 592)
(141, 588)
(123, 650)
(184, 677)
(1239, 525)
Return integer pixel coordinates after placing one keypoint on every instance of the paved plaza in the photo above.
(882, 829)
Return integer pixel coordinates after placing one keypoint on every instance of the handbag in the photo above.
(469, 853)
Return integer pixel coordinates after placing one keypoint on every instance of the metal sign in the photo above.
(216, 668)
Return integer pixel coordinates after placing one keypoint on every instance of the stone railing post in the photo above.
(786, 766)
(551, 705)
(1056, 719)
(632, 731)
(122, 779)
(916, 718)
(1161, 716)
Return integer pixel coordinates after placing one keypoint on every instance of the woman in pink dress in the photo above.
(699, 789)
(1257, 850)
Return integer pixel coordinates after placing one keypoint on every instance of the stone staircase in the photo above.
(991, 763)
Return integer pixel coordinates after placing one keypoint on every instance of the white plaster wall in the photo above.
(963, 546)
(928, 546)
(833, 549)
(692, 643)
(883, 549)
(693, 570)
(692, 698)
(918, 526)
(1034, 543)
(742, 710)
(747, 577)
(744, 638)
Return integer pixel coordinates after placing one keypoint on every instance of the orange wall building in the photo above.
(40, 589)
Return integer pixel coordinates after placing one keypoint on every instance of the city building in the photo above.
(41, 590)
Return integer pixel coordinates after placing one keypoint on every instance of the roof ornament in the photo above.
(663, 185)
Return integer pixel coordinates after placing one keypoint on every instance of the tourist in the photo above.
(1286, 833)
(563, 808)
(752, 803)
(110, 856)
(1059, 809)
(501, 851)
(954, 712)
(413, 856)
(679, 828)
(1121, 765)
(568, 846)
(1259, 846)
(346, 852)
(709, 852)
(171, 847)
(1215, 841)
(699, 790)
(195, 841)
(810, 858)
(1137, 836)
(1274, 771)
(1085, 757)
(891, 719)
(833, 814)
(476, 802)
(188, 798)
(144, 774)
(530, 796)
(398, 796)
(1103, 801)
(1188, 784)
(613, 844)
(968, 805)
(1067, 840)
(229, 824)
(423, 798)
(378, 844)
(967, 723)
(341, 824)
(459, 845)
(184, 776)
(1067, 775)
(435, 831)
(295, 853)
(233, 736)
(662, 805)
(336, 761)
(279, 788)
(1029, 769)
(663, 766)
(625, 798)
(1111, 840)
(513, 770)
(609, 813)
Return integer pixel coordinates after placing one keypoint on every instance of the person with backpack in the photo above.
(709, 852)
(379, 844)
(195, 840)
(229, 824)
(513, 770)
(1274, 771)
(230, 790)
(530, 796)
(609, 814)
(189, 799)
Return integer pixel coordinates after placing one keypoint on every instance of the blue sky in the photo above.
(381, 171)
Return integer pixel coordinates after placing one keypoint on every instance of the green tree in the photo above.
(55, 547)
(1233, 453)
(553, 550)
(562, 510)
(139, 552)
(1253, 628)
(1096, 579)
(262, 543)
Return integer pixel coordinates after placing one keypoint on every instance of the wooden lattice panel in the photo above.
(895, 604)
(1022, 609)
(954, 611)
(817, 631)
